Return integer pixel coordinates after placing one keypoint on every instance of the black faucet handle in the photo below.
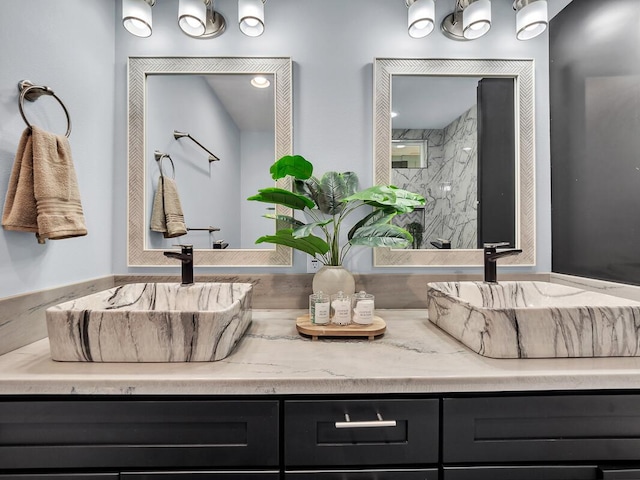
(186, 248)
(495, 245)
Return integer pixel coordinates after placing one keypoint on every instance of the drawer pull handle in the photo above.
(380, 423)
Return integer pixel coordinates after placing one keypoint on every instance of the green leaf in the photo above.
(406, 201)
(283, 197)
(294, 165)
(382, 236)
(379, 194)
(384, 196)
(351, 182)
(286, 219)
(308, 188)
(305, 230)
(333, 189)
(378, 216)
(310, 244)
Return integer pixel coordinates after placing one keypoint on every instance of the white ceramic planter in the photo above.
(331, 280)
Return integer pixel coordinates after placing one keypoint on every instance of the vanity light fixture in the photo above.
(470, 19)
(260, 82)
(192, 17)
(136, 17)
(421, 17)
(532, 18)
(476, 19)
(251, 17)
(196, 18)
(191, 24)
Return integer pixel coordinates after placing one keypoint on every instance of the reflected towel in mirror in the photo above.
(43, 195)
(166, 213)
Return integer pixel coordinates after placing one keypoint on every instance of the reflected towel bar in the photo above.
(207, 229)
(177, 135)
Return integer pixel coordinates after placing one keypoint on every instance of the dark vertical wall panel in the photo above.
(595, 139)
(496, 161)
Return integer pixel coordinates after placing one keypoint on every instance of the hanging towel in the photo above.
(166, 213)
(43, 195)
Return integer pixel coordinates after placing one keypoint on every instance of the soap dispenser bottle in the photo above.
(341, 309)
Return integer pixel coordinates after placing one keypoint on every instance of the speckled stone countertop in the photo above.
(413, 356)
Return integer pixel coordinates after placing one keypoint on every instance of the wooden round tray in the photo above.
(305, 327)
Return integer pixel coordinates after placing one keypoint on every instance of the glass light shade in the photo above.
(476, 19)
(421, 18)
(192, 17)
(136, 17)
(532, 20)
(251, 17)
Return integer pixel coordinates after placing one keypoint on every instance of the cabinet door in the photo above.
(360, 433)
(62, 476)
(521, 473)
(200, 475)
(125, 434)
(620, 474)
(563, 428)
(386, 474)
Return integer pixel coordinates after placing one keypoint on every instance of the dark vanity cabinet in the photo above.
(546, 437)
(148, 437)
(361, 439)
(587, 436)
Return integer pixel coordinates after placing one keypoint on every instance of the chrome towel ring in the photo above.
(159, 156)
(32, 92)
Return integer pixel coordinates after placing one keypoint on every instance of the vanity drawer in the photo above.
(386, 474)
(541, 428)
(91, 433)
(361, 432)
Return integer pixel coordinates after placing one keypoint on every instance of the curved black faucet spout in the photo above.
(491, 255)
(186, 257)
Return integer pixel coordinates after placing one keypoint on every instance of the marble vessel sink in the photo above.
(151, 322)
(535, 319)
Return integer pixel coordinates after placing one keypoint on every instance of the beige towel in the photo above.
(166, 213)
(43, 195)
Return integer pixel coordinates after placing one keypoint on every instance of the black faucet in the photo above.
(186, 257)
(491, 255)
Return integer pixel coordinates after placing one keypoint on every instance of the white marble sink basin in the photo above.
(151, 322)
(535, 319)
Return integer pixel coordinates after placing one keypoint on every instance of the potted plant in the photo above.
(327, 202)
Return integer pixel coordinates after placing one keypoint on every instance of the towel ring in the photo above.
(159, 156)
(32, 92)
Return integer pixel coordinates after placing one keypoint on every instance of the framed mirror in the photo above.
(468, 128)
(199, 121)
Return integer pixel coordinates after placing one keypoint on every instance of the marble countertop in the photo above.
(413, 356)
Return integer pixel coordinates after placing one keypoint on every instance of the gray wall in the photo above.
(188, 104)
(69, 46)
(595, 99)
(333, 44)
(333, 89)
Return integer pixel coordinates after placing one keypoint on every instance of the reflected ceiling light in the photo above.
(400, 146)
(394, 114)
(136, 17)
(260, 82)
(470, 20)
(532, 18)
(476, 19)
(251, 17)
(421, 17)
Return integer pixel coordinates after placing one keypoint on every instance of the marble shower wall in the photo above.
(449, 183)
